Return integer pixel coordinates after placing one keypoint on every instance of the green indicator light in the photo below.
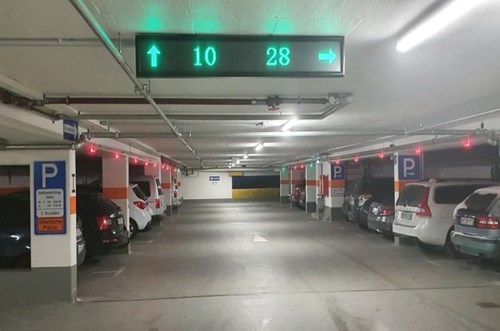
(328, 56)
(207, 56)
(311, 165)
(278, 56)
(154, 52)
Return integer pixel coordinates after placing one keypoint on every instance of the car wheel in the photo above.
(134, 229)
(450, 249)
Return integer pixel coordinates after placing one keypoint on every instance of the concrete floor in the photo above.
(260, 266)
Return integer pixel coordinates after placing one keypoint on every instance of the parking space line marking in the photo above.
(258, 238)
(119, 272)
(360, 235)
(151, 241)
(432, 262)
(104, 272)
(341, 228)
(236, 223)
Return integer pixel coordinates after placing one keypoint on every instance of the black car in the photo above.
(14, 232)
(102, 222)
(363, 190)
(15, 239)
(383, 194)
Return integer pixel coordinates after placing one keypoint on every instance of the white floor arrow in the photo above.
(258, 238)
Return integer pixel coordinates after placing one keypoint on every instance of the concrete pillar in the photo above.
(312, 183)
(166, 187)
(115, 181)
(407, 169)
(52, 277)
(336, 185)
(284, 186)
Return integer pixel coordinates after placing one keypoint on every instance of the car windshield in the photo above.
(140, 194)
(144, 186)
(158, 185)
(480, 202)
(453, 194)
(410, 196)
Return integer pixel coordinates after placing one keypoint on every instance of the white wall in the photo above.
(198, 186)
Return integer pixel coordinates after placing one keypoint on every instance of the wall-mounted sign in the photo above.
(338, 171)
(70, 129)
(214, 178)
(409, 167)
(50, 197)
(170, 56)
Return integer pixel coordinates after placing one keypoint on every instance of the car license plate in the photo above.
(406, 216)
(467, 221)
(120, 221)
(374, 210)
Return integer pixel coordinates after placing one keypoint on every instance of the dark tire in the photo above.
(449, 248)
(134, 229)
(363, 226)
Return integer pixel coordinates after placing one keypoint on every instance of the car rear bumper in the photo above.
(118, 239)
(380, 223)
(476, 245)
(427, 230)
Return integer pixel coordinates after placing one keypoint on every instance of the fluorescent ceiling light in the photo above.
(245, 156)
(238, 161)
(291, 123)
(435, 23)
(259, 147)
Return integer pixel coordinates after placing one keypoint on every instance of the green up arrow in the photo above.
(328, 55)
(154, 52)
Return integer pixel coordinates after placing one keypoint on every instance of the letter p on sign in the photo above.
(49, 170)
(409, 167)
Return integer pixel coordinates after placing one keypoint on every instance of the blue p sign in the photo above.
(409, 167)
(338, 171)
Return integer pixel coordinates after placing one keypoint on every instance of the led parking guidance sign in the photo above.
(177, 56)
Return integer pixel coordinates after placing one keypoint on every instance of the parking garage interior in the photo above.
(249, 165)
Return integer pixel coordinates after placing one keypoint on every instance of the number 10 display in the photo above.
(171, 56)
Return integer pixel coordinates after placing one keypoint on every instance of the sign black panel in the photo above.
(171, 56)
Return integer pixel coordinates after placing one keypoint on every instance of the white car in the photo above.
(139, 215)
(152, 189)
(424, 210)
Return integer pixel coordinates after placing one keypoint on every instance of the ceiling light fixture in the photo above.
(435, 23)
(245, 156)
(238, 161)
(259, 147)
(291, 123)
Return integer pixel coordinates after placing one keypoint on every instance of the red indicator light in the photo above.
(154, 165)
(146, 163)
(381, 155)
(136, 160)
(467, 143)
(116, 155)
(356, 159)
(92, 149)
(337, 162)
(302, 166)
(418, 150)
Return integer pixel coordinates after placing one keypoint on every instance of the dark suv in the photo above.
(102, 222)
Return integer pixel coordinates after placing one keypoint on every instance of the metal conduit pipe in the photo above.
(275, 134)
(180, 101)
(86, 14)
(36, 147)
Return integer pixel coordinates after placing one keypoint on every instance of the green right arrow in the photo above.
(154, 52)
(328, 55)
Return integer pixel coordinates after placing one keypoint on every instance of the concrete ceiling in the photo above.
(450, 76)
